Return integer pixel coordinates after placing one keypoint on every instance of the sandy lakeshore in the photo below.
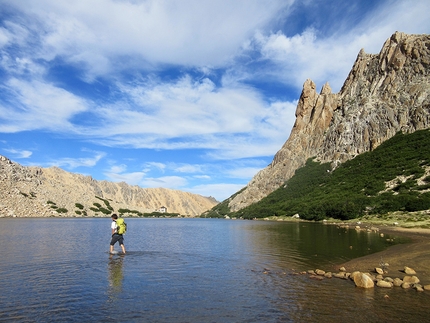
(415, 254)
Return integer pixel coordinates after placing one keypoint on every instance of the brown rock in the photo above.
(363, 281)
(397, 282)
(406, 285)
(409, 271)
(384, 284)
(320, 272)
(339, 275)
(411, 279)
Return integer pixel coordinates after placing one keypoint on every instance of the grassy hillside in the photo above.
(391, 178)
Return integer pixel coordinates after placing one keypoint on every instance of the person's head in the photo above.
(114, 217)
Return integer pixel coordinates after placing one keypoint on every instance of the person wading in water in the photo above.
(116, 237)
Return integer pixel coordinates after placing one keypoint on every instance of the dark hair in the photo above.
(114, 216)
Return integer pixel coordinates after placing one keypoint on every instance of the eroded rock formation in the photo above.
(384, 93)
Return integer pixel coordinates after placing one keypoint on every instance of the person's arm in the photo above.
(113, 227)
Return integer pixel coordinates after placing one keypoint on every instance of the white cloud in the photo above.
(72, 163)
(19, 153)
(117, 169)
(173, 182)
(160, 166)
(132, 178)
(293, 59)
(38, 105)
(4, 37)
(235, 122)
(188, 168)
(188, 32)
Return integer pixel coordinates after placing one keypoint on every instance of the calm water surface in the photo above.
(189, 270)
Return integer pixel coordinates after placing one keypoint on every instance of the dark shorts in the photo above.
(117, 238)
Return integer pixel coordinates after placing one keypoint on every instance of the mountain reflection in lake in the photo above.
(189, 270)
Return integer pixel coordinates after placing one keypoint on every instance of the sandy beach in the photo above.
(415, 254)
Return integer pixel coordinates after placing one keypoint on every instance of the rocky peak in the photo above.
(384, 93)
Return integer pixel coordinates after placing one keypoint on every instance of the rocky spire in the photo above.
(384, 93)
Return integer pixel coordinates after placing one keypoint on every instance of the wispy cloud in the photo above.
(19, 153)
(71, 163)
(329, 58)
(37, 105)
(188, 32)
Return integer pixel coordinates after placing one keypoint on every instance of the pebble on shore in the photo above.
(369, 280)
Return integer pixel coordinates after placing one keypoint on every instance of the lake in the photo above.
(190, 270)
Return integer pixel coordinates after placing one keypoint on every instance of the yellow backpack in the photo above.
(121, 226)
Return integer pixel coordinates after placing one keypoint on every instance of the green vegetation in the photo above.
(354, 189)
(79, 206)
(221, 209)
(123, 212)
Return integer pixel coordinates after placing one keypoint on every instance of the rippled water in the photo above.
(189, 270)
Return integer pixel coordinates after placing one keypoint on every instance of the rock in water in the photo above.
(364, 281)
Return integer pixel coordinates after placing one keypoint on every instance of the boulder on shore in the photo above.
(364, 281)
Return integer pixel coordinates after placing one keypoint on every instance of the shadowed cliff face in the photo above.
(383, 94)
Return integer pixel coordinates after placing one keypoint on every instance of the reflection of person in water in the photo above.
(115, 273)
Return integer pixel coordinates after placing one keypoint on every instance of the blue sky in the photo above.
(194, 95)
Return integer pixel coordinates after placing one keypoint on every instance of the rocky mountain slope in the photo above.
(384, 93)
(35, 191)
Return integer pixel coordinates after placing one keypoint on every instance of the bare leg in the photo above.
(111, 249)
(123, 248)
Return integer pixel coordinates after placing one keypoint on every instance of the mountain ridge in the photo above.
(34, 191)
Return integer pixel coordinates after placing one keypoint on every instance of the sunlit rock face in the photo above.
(39, 192)
(384, 93)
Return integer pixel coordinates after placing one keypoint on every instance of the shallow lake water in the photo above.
(190, 270)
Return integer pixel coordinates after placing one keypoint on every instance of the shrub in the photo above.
(357, 185)
(79, 206)
(105, 211)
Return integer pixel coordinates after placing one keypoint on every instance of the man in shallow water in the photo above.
(116, 237)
